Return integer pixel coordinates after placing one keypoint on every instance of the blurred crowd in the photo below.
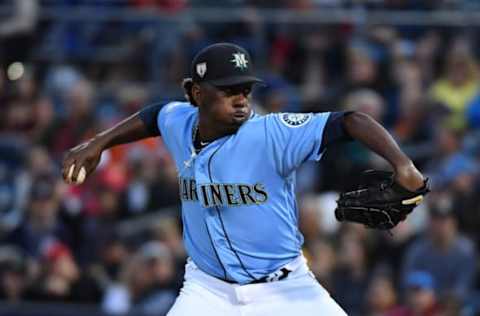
(115, 242)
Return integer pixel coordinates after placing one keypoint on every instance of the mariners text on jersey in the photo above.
(222, 194)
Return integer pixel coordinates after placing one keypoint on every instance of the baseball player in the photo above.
(236, 173)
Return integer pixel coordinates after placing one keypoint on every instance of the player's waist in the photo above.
(293, 268)
(299, 279)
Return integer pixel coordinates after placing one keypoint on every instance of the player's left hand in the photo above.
(409, 177)
(380, 201)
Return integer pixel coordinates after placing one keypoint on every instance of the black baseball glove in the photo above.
(379, 202)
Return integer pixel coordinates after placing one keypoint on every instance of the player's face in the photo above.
(227, 106)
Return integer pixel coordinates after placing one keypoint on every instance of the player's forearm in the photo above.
(366, 130)
(129, 130)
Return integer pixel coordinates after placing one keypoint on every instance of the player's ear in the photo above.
(196, 93)
(187, 85)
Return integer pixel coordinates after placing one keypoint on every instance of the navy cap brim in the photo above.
(236, 80)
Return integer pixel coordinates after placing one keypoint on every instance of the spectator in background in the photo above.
(473, 113)
(152, 184)
(19, 122)
(160, 291)
(421, 299)
(277, 96)
(39, 163)
(365, 101)
(362, 67)
(60, 278)
(18, 169)
(413, 125)
(448, 161)
(41, 223)
(13, 178)
(322, 261)
(167, 230)
(351, 273)
(146, 283)
(389, 250)
(13, 276)
(46, 122)
(427, 51)
(459, 84)
(111, 254)
(381, 296)
(17, 31)
(80, 118)
(463, 191)
(444, 253)
(102, 211)
(314, 84)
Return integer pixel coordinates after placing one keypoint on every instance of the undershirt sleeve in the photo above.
(334, 131)
(149, 117)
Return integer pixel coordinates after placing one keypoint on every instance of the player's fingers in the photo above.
(75, 170)
(76, 174)
(66, 170)
(68, 161)
(70, 173)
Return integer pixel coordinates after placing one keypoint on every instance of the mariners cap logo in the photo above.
(240, 61)
(201, 69)
(295, 119)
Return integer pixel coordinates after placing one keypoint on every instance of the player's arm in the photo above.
(87, 155)
(366, 130)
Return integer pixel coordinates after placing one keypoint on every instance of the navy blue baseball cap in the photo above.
(223, 65)
(421, 280)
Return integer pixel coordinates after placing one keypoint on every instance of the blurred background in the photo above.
(112, 246)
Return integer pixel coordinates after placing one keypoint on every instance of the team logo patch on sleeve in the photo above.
(295, 119)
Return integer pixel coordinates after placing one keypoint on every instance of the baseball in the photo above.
(82, 174)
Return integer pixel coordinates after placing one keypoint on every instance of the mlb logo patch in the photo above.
(201, 69)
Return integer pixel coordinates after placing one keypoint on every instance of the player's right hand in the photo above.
(87, 156)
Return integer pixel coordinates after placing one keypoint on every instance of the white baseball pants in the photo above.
(298, 294)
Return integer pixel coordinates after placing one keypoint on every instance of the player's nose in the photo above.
(240, 100)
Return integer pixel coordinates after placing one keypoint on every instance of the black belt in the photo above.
(272, 277)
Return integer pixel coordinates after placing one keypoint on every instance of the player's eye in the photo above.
(231, 91)
(227, 91)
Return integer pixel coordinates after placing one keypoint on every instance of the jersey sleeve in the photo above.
(170, 115)
(295, 138)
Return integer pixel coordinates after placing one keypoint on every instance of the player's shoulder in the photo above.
(177, 107)
(175, 114)
(175, 111)
(289, 119)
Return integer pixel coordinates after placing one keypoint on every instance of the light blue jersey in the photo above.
(239, 211)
